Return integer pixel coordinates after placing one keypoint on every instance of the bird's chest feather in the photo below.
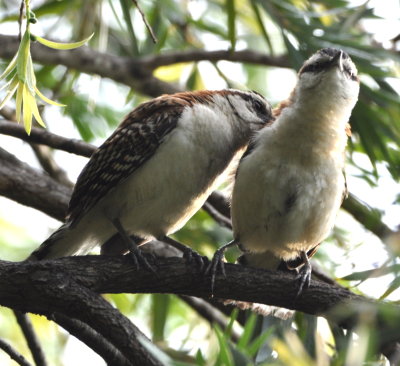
(287, 205)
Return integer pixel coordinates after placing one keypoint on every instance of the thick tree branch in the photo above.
(59, 286)
(25, 185)
(60, 293)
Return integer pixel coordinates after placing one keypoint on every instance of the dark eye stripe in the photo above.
(316, 66)
(319, 66)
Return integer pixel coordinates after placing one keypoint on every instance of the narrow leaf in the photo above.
(9, 68)
(36, 113)
(18, 102)
(47, 100)
(63, 46)
(23, 56)
(27, 109)
(394, 285)
(10, 93)
(230, 7)
(247, 331)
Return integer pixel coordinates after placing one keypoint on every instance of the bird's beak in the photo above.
(338, 60)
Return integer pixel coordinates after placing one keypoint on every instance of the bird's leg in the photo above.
(188, 253)
(133, 248)
(304, 275)
(217, 262)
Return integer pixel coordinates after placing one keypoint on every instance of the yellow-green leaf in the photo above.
(11, 90)
(7, 84)
(36, 113)
(28, 100)
(18, 101)
(47, 100)
(9, 68)
(30, 75)
(23, 56)
(62, 46)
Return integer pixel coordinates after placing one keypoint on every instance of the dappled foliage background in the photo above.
(363, 250)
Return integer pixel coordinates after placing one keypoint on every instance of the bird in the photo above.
(156, 170)
(290, 182)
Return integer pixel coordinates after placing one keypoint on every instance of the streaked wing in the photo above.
(132, 144)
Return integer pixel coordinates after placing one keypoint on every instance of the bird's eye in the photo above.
(259, 107)
(350, 73)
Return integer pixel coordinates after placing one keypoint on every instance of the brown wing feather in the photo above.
(132, 143)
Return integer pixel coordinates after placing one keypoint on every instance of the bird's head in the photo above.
(330, 71)
(250, 109)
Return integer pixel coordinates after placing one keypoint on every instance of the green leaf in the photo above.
(247, 331)
(9, 68)
(23, 56)
(28, 101)
(159, 309)
(12, 87)
(231, 11)
(63, 46)
(256, 345)
(394, 285)
(260, 23)
(372, 273)
(225, 356)
(126, 5)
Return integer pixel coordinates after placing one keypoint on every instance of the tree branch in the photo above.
(121, 69)
(247, 56)
(44, 137)
(111, 355)
(31, 339)
(59, 285)
(16, 356)
(28, 186)
(136, 73)
(60, 293)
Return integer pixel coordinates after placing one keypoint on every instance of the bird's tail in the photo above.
(61, 243)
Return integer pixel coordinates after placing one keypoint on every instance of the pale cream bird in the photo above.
(290, 184)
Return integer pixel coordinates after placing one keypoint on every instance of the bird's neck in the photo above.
(315, 121)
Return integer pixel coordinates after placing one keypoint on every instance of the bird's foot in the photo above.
(304, 278)
(196, 259)
(217, 263)
(190, 255)
(140, 261)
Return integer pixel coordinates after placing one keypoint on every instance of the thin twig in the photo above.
(21, 14)
(217, 216)
(31, 338)
(16, 356)
(153, 36)
(41, 136)
(46, 159)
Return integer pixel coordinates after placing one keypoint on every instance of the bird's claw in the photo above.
(304, 278)
(139, 260)
(194, 258)
(215, 264)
